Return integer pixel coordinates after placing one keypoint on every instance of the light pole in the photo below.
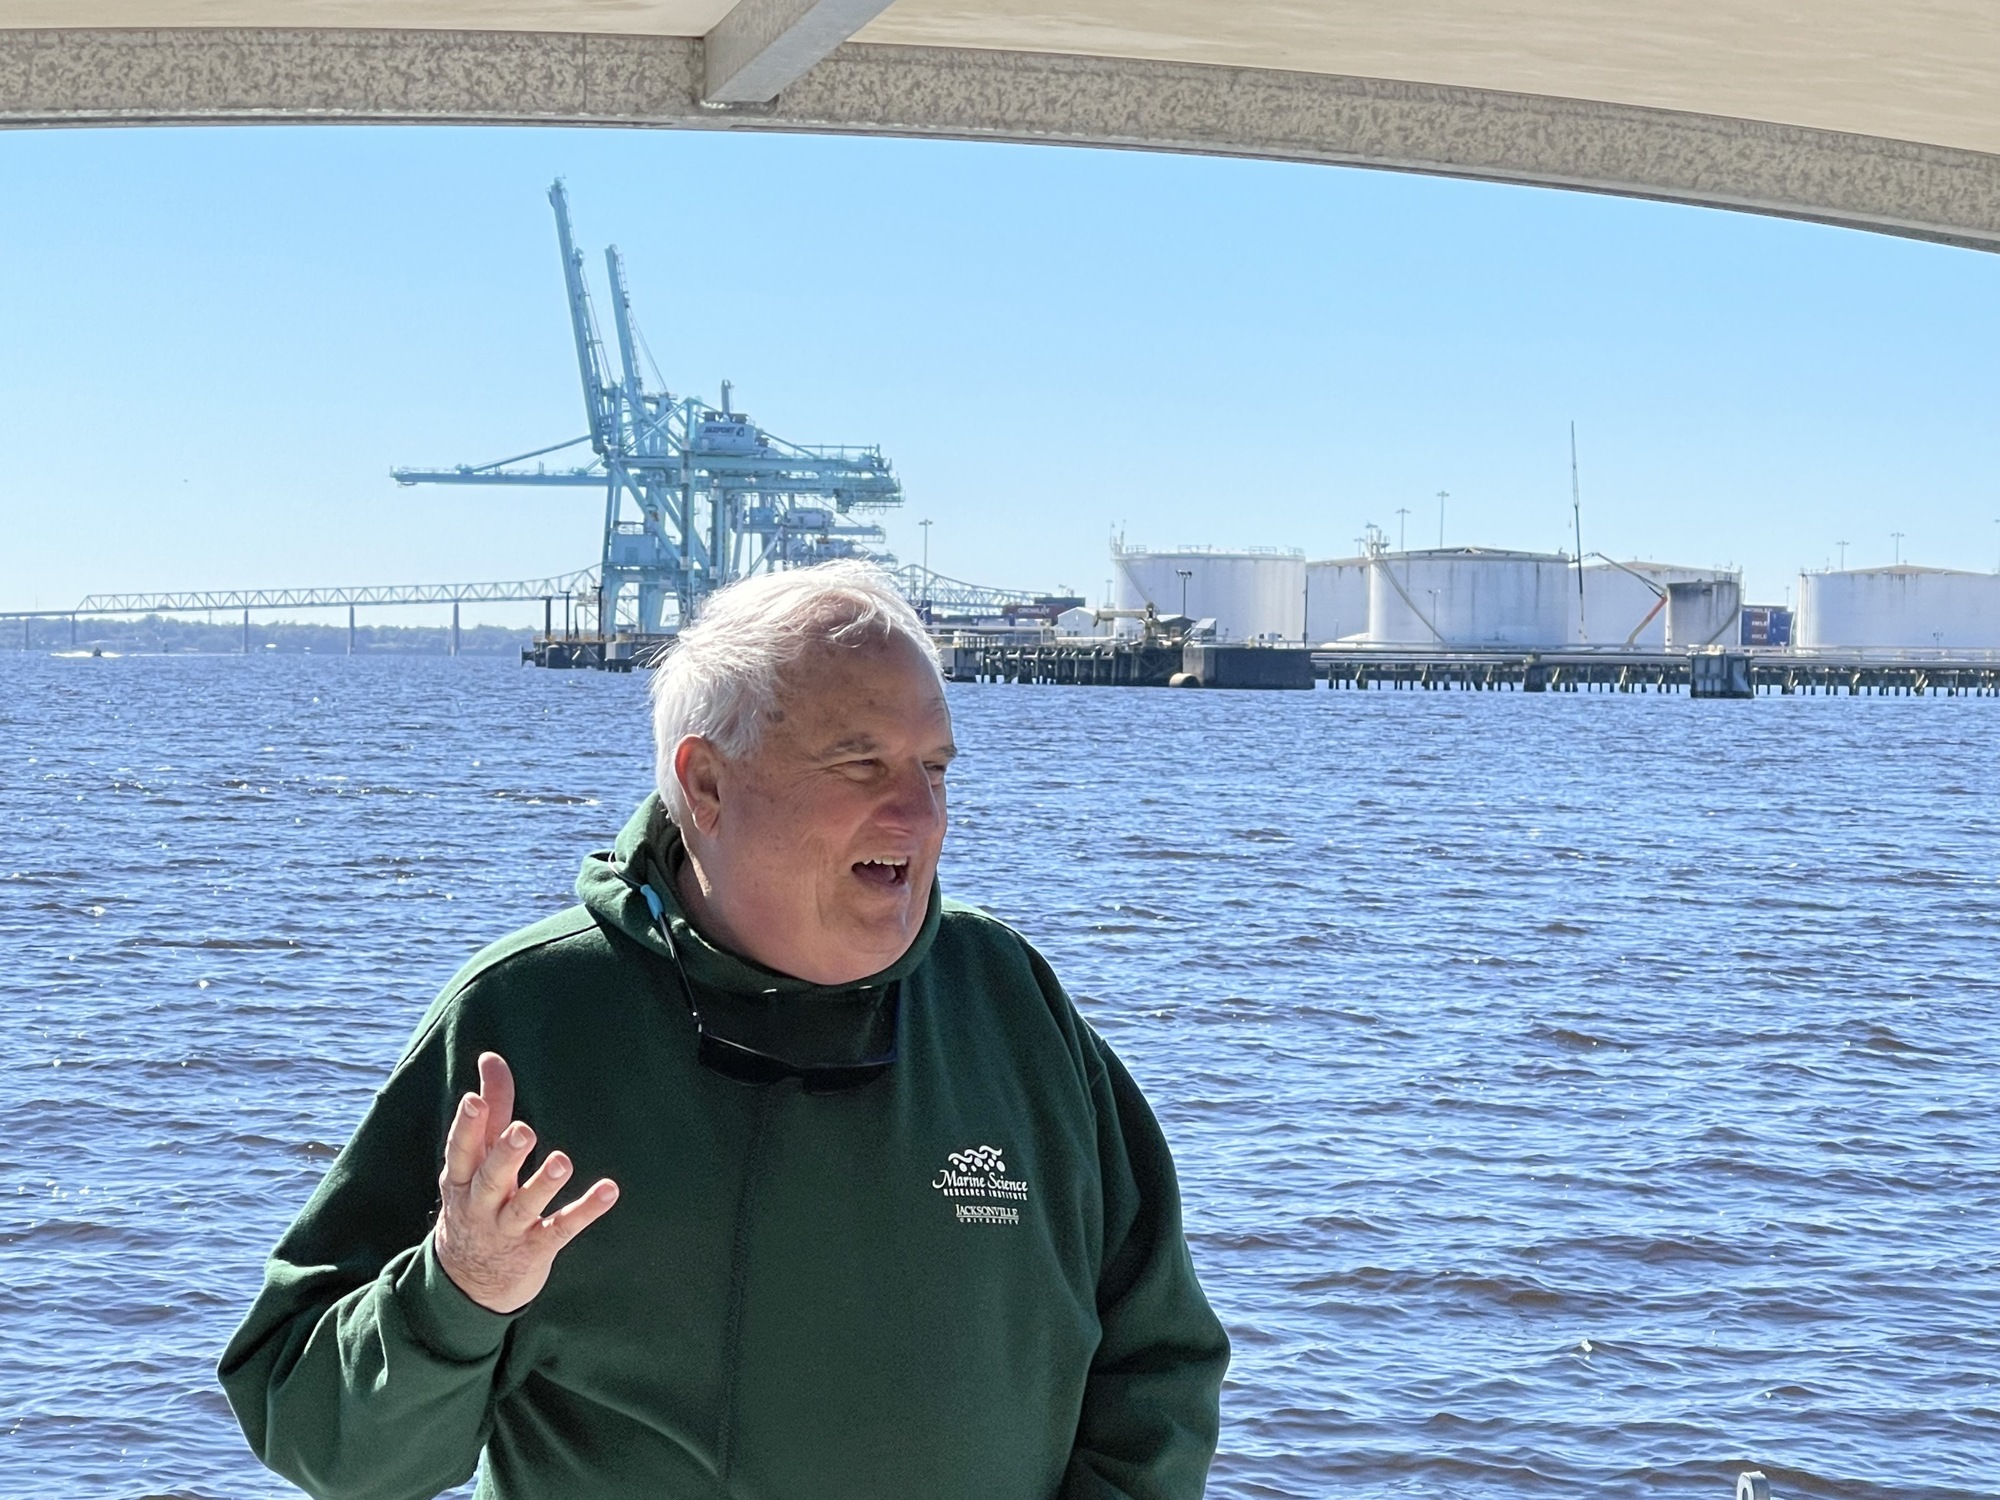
(925, 523)
(1186, 574)
(1843, 555)
(1443, 495)
(1898, 535)
(1402, 528)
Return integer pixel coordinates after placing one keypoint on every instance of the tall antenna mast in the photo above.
(1576, 506)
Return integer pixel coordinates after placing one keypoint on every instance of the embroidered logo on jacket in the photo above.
(977, 1178)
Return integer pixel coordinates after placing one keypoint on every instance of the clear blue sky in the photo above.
(216, 343)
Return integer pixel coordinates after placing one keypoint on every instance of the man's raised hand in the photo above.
(491, 1237)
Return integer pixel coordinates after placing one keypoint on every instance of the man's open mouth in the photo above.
(883, 872)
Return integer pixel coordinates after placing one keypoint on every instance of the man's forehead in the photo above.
(855, 699)
(864, 723)
(887, 663)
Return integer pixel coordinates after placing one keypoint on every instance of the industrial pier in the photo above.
(1704, 674)
(1701, 674)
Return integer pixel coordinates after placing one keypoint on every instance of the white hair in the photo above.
(721, 678)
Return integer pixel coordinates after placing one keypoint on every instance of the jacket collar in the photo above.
(649, 851)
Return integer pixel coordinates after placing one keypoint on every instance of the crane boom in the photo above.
(600, 400)
(621, 319)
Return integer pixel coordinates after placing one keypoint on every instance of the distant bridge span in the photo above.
(583, 582)
(580, 584)
(921, 587)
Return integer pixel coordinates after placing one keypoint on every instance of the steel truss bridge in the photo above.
(582, 582)
(932, 593)
(577, 590)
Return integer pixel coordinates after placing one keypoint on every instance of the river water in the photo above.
(1574, 1095)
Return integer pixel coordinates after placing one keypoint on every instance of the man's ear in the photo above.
(698, 769)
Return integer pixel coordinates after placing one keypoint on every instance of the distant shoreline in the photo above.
(166, 635)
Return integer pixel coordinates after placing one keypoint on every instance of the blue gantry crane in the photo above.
(695, 495)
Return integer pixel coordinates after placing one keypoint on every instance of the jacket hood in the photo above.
(649, 848)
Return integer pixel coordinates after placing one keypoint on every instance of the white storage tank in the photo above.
(1904, 608)
(1703, 612)
(1620, 609)
(1257, 594)
(1336, 604)
(1470, 596)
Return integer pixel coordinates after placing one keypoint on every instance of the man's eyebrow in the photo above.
(867, 744)
(854, 744)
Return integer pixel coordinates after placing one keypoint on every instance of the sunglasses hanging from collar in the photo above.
(742, 1063)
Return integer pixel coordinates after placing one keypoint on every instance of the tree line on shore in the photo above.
(194, 635)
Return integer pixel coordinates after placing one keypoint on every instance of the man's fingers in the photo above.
(496, 1087)
(465, 1142)
(567, 1223)
(494, 1182)
(536, 1193)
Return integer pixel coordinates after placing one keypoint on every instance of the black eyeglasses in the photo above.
(744, 1064)
(748, 1065)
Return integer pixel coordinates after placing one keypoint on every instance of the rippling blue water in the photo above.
(1574, 1095)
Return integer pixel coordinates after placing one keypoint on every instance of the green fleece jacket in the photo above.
(964, 1279)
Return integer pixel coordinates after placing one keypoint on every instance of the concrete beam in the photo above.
(263, 76)
(762, 47)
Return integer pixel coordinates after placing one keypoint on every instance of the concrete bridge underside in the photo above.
(1860, 113)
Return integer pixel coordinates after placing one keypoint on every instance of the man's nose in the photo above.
(914, 799)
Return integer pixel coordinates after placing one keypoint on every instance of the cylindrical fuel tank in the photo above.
(1703, 612)
(1251, 595)
(1899, 609)
(1470, 596)
(1336, 605)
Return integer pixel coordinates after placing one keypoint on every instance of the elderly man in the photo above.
(872, 1214)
